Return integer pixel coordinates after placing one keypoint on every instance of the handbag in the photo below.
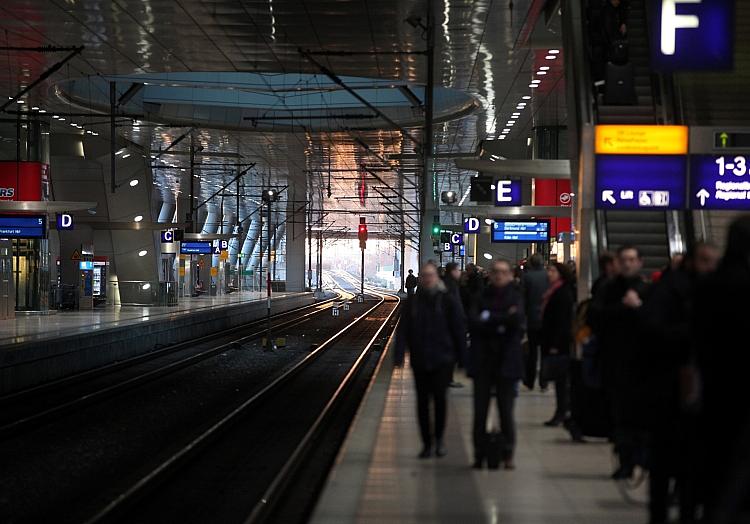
(554, 367)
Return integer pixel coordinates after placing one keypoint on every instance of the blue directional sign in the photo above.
(692, 35)
(199, 247)
(472, 225)
(646, 182)
(520, 231)
(457, 239)
(23, 226)
(508, 192)
(720, 182)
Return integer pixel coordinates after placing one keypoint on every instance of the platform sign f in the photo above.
(671, 22)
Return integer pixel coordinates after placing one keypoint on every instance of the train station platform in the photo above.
(39, 348)
(378, 477)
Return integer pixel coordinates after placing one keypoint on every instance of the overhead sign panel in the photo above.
(646, 182)
(692, 35)
(520, 231)
(641, 140)
(23, 226)
(720, 182)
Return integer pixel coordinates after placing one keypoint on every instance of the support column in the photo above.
(296, 221)
(429, 187)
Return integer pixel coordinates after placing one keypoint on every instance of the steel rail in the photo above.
(193, 448)
(99, 394)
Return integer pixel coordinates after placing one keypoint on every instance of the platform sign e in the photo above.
(692, 35)
(507, 192)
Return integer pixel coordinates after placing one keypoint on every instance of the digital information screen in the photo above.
(720, 182)
(23, 226)
(202, 247)
(520, 231)
(646, 182)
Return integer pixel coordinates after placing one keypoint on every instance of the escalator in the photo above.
(648, 230)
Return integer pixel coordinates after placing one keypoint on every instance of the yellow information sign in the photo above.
(214, 271)
(224, 256)
(641, 140)
(182, 271)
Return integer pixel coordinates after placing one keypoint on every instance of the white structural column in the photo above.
(296, 227)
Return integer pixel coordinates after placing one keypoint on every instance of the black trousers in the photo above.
(562, 396)
(432, 385)
(532, 359)
(505, 390)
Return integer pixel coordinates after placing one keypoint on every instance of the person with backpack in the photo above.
(495, 360)
(615, 30)
(433, 330)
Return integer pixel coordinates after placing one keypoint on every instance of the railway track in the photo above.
(237, 469)
(32, 407)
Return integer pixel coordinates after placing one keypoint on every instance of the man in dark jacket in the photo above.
(665, 359)
(614, 27)
(432, 328)
(535, 283)
(720, 340)
(495, 360)
(411, 283)
(614, 317)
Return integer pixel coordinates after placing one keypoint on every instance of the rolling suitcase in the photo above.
(619, 84)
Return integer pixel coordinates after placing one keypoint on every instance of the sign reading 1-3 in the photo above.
(692, 35)
(720, 182)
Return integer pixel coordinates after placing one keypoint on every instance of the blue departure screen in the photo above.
(648, 182)
(202, 247)
(520, 231)
(23, 226)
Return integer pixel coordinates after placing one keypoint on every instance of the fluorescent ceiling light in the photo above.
(487, 256)
(138, 218)
(142, 253)
(544, 68)
(554, 51)
(134, 182)
(526, 97)
(550, 57)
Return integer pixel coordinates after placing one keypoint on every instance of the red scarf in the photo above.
(551, 291)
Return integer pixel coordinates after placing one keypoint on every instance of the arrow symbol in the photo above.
(608, 196)
(724, 139)
(703, 195)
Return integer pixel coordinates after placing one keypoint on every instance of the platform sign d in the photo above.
(64, 222)
(472, 225)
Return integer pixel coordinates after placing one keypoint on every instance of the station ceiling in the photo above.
(487, 51)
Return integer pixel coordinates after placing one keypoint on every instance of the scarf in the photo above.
(550, 291)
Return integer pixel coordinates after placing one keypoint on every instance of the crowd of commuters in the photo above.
(661, 359)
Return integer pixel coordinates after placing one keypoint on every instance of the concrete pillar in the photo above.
(296, 226)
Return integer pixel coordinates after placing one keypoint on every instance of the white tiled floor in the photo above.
(35, 327)
(556, 481)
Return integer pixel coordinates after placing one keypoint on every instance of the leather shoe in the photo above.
(425, 453)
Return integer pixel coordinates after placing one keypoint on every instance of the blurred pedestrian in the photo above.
(607, 271)
(665, 363)
(557, 337)
(720, 339)
(410, 283)
(614, 316)
(452, 281)
(495, 360)
(535, 284)
(432, 329)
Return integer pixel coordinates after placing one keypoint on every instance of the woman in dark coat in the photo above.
(557, 336)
